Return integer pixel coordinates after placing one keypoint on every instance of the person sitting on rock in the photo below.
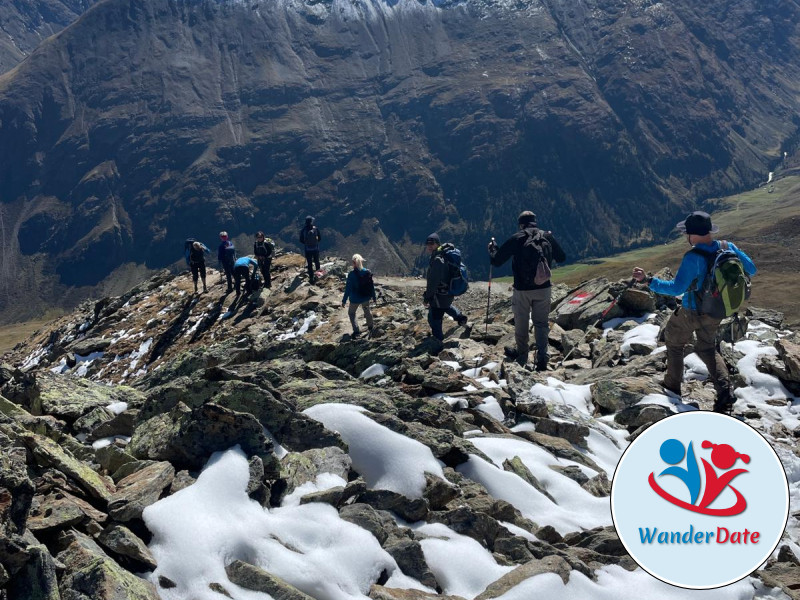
(241, 270)
(359, 289)
(437, 298)
(197, 263)
(530, 250)
(687, 320)
(264, 250)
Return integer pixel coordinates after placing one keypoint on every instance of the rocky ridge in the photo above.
(121, 403)
(144, 123)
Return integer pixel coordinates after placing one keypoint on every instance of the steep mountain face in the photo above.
(24, 24)
(146, 122)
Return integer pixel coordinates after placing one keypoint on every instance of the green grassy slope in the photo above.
(763, 223)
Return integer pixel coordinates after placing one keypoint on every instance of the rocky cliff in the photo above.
(146, 122)
(113, 410)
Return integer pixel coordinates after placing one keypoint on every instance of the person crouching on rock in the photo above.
(197, 263)
(436, 298)
(241, 270)
(360, 289)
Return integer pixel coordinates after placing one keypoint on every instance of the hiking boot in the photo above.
(205, 289)
(724, 403)
(195, 288)
(511, 351)
(462, 320)
(355, 335)
(541, 366)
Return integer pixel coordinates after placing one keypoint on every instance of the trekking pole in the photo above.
(596, 323)
(486, 321)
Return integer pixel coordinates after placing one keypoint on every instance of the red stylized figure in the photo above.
(724, 457)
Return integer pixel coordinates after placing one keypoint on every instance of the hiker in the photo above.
(688, 319)
(532, 252)
(360, 289)
(264, 249)
(437, 298)
(241, 270)
(226, 255)
(197, 263)
(310, 238)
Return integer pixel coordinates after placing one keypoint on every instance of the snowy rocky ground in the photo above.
(163, 444)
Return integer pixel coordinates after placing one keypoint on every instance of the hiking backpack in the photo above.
(726, 286)
(536, 256)
(304, 233)
(366, 285)
(264, 249)
(457, 270)
(187, 250)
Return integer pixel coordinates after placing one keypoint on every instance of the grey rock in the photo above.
(112, 457)
(298, 468)
(516, 466)
(89, 345)
(91, 573)
(410, 509)
(411, 560)
(251, 577)
(37, 579)
(379, 592)
(571, 432)
(550, 564)
(613, 395)
(573, 472)
(598, 486)
(139, 490)
(52, 512)
(638, 415)
(122, 542)
(378, 522)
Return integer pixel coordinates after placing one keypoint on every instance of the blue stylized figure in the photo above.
(672, 452)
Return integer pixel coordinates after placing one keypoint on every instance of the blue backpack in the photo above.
(458, 270)
(187, 250)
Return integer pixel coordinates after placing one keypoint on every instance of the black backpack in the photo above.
(305, 232)
(366, 285)
(537, 253)
(264, 249)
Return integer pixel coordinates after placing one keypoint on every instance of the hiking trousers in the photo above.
(527, 305)
(436, 318)
(678, 332)
(351, 312)
(228, 268)
(312, 261)
(264, 265)
(198, 270)
(240, 273)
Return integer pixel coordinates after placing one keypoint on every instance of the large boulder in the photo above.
(612, 395)
(139, 490)
(69, 398)
(91, 573)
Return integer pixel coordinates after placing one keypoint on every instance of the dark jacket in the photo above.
(512, 248)
(263, 250)
(351, 289)
(223, 255)
(197, 256)
(310, 237)
(438, 281)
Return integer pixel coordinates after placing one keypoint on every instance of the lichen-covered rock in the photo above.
(70, 398)
(187, 438)
(550, 564)
(379, 592)
(53, 512)
(37, 579)
(298, 468)
(122, 542)
(139, 490)
(251, 577)
(91, 573)
(49, 454)
(615, 394)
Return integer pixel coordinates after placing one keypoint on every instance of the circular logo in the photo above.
(700, 500)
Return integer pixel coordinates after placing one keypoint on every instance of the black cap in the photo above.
(527, 217)
(697, 223)
(309, 219)
(434, 237)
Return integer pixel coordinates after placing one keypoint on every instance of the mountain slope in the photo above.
(144, 123)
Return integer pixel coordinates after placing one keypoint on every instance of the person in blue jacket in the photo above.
(687, 319)
(241, 270)
(354, 292)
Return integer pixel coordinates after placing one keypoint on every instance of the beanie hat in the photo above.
(697, 223)
(434, 237)
(309, 219)
(526, 217)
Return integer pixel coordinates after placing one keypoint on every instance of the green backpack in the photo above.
(726, 287)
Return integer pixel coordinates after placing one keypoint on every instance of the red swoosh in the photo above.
(737, 508)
